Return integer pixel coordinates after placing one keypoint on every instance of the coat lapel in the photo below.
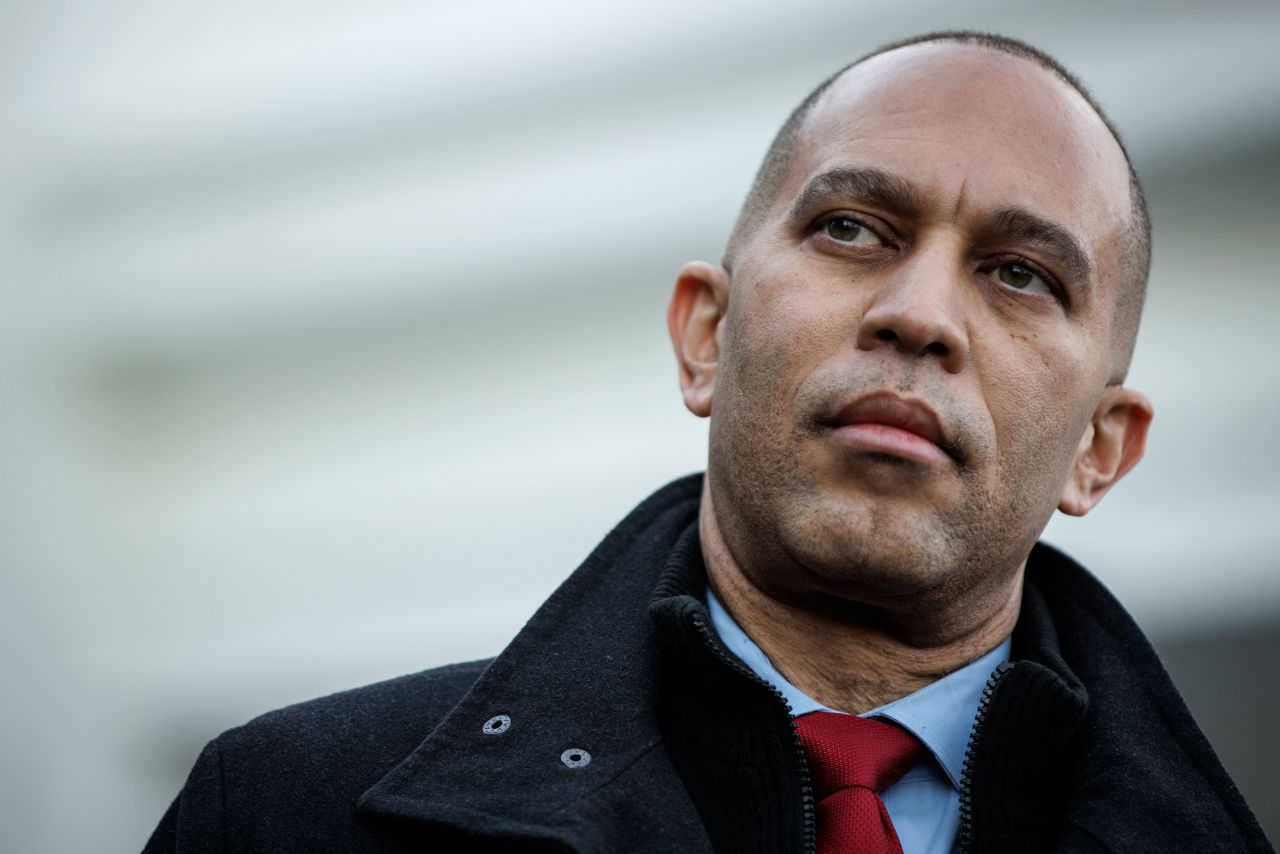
(581, 762)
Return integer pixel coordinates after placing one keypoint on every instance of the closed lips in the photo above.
(892, 411)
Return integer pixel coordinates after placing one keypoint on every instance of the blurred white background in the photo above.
(332, 339)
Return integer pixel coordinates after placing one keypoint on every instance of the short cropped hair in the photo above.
(1136, 254)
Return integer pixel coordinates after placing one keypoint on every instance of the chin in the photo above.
(878, 550)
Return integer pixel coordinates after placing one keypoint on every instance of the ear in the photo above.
(694, 319)
(1112, 444)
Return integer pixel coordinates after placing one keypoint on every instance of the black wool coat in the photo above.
(617, 722)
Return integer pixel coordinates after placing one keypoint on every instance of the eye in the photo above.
(843, 229)
(1023, 278)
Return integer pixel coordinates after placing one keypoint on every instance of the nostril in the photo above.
(886, 335)
(937, 348)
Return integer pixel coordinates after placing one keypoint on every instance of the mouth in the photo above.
(883, 423)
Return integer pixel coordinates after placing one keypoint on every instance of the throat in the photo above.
(850, 660)
(855, 684)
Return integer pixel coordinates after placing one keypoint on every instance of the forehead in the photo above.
(975, 130)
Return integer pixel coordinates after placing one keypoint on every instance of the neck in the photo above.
(854, 659)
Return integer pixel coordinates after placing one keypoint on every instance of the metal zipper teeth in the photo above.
(806, 787)
(965, 835)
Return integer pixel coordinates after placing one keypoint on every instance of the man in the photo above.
(845, 636)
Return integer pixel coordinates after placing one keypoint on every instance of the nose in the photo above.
(918, 309)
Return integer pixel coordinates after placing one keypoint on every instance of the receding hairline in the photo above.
(1135, 253)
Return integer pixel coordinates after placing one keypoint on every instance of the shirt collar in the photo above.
(941, 714)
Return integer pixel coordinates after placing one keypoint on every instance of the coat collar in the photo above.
(576, 681)
(583, 674)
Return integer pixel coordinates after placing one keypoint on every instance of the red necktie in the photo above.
(850, 760)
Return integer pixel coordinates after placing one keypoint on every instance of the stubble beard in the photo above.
(793, 535)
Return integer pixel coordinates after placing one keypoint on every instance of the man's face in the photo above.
(919, 329)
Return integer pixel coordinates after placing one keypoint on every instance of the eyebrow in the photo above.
(874, 186)
(1021, 226)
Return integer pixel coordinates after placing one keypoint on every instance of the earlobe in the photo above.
(697, 308)
(1112, 444)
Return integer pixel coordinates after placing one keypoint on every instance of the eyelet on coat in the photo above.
(575, 757)
(496, 725)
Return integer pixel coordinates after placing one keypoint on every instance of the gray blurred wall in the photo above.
(333, 338)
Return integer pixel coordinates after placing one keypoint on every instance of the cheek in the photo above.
(783, 328)
(1038, 393)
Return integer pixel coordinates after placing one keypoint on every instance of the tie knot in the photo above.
(845, 751)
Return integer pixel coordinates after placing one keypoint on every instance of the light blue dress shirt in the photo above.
(925, 804)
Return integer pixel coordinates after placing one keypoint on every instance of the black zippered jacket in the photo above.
(629, 728)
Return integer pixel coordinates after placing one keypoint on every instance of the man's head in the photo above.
(915, 349)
